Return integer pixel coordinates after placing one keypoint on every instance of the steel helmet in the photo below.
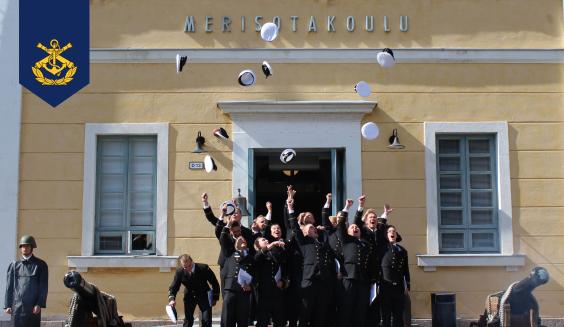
(28, 240)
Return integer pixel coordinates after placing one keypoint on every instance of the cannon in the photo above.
(88, 301)
(516, 306)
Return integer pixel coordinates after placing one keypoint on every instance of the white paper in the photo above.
(337, 266)
(278, 275)
(171, 313)
(244, 278)
(373, 292)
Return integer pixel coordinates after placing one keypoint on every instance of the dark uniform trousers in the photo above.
(190, 303)
(353, 303)
(270, 305)
(236, 306)
(315, 303)
(393, 297)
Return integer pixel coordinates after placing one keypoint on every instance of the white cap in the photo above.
(386, 58)
(287, 155)
(209, 164)
(266, 69)
(247, 77)
(370, 131)
(230, 207)
(363, 89)
(269, 32)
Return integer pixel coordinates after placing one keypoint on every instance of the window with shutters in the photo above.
(125, 194)
(467, 195)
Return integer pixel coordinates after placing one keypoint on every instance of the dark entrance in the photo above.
(314, 173)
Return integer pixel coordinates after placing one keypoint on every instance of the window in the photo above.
(125, 197)
(126, 194)
(467, 198)
(468, 188)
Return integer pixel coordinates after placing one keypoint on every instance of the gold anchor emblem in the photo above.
(54, 63)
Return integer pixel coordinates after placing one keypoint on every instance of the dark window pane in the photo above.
(480, 164)
(449, 146)
(480, 181)
(483, 240)
(110, 243)
(479, 146)
(451, 217)
(449, 164)
(482, 217)
(481, 199)
(141, 241)
(451, 199)
(450, 182)
(452, 240)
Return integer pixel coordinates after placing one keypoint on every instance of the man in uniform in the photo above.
(197, 279)
(26, 286)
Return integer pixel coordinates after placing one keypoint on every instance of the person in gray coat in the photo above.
(26, 287)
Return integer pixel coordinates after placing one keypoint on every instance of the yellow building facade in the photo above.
(464, 69)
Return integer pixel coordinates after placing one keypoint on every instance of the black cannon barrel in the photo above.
(80, 286)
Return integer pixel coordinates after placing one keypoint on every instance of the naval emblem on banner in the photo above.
(54, 48)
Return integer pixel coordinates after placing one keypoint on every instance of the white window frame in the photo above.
(87, 258)
(506, 257)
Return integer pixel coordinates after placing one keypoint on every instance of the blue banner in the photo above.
(54, 48)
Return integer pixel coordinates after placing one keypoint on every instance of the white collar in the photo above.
(27, 258)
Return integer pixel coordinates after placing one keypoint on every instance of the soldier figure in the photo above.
(26, 287)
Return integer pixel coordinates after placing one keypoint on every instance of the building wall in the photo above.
(527, 96)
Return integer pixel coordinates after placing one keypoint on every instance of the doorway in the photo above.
(313, 173)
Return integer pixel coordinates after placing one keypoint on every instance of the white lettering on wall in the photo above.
(294, 21)
(189, 24)
(350, 23)
(369, 24)
(258, 25)
(312, 25)
(209, 22)
(403, 24)
(226, 24)
(330, 24)
(386, 24)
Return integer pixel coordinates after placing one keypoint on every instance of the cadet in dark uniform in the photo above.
(271, 281)
(197, 279)
(219, 224)
(318, 272)
(26, 286)
(395, 279)
(368, 222)
(357, 270)
(236, 291)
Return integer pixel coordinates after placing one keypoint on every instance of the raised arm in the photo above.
(326, 212)
(226, 242)
(208, 211)
(358, 215)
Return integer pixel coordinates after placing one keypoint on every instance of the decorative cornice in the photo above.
(296, 107)
(327, 56)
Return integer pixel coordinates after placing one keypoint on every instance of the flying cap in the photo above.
(363, 89)
(180, 62)
(247, 78)
(370, 131)
(269, 32)
(287, 155)
(230, 207)
(266, 69)
(386, 58)
(209, 164)
(221, 133)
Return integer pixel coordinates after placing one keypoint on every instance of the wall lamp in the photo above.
(200, 141)
(394, 141)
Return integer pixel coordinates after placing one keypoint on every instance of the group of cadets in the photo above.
(314, 276)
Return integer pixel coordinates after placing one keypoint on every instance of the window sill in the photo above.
(430, 262)
(82, 263)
